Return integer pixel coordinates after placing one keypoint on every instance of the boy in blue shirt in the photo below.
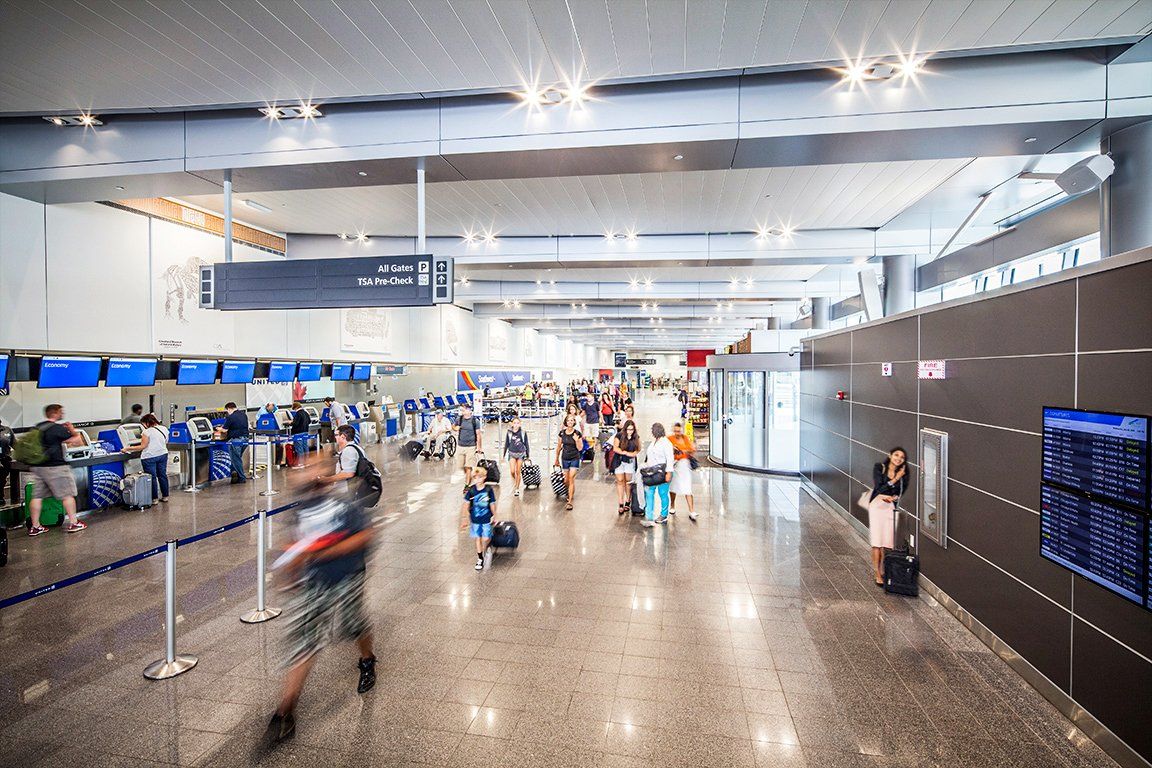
(479, 505)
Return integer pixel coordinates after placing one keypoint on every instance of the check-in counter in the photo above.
(97, 468)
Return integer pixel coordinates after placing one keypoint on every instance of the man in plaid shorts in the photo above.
(328, 602)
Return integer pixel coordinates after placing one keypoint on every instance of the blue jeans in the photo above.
(236, 448)
(300, 446)
(157, 466)
(650, 492)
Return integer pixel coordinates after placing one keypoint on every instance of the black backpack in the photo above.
(373, 482)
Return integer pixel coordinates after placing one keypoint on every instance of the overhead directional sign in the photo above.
(641, 361)
(360, 281)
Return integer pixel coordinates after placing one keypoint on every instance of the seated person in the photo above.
(438, 432)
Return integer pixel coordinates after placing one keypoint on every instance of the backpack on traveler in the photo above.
(29, 449)
(370, 476)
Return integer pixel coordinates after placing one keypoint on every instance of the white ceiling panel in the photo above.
(848, 196)
(167, 54)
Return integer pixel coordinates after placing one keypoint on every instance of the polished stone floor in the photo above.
(751, 638)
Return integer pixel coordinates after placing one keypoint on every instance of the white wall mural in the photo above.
(179, 325)
(498, 343)
(366, 329)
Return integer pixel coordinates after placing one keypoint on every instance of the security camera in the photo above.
(1085, 175)
(792, 351)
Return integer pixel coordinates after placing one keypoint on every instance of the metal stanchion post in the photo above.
(171, 665)
(192, 469)
(262, 611)
(271, 464)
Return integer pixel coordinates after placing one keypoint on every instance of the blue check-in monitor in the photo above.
(130, 372)
(3, 371)
(341, 371)
(410, 405)
(438, 401)
(237, 372)
(309, 372)
(68, 372)
(197, 372)
(362, 371)
(281, 372)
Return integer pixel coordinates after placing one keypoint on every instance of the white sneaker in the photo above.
(479, 563)
(672, 511)
(647, 523)
(516, 492)
(692, 516)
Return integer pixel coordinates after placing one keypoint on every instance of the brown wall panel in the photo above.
(1002, 462)
(1124, 620)
(1006, 535)
(833, 350)
(893, 341)
(830, 447)
(1115, 309)
(1121, 381)
(895, 391)
(1007, 392)
(1032, 625)
(883, 429)
(1113, 684)
(832, 415)
(833, 482)
(827, 380)
(1033, 322)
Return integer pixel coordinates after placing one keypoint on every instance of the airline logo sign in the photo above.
(930, 369)
(475, 380)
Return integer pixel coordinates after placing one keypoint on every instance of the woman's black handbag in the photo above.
(693, 462)
(656, 475)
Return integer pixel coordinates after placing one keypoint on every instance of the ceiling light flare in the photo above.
(83, 120)
(647, 282)
(304, 111)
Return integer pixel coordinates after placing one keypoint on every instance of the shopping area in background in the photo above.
(136, 428)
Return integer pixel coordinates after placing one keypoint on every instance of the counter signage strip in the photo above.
(237, 372)
(197, 372)
(309, 372)
(129, 372)
(281, 372)
(1094, 499)
(68, 372)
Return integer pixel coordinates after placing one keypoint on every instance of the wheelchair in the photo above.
(449, 447)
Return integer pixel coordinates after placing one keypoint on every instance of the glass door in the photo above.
(745, 435)
(716, 414)
(784, 435)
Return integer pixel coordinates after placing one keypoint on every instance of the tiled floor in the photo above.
(752, 638)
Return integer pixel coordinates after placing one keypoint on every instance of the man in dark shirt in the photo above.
(235, 429)
(300, 427)
(54, 476)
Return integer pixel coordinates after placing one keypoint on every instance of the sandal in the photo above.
(620, 509)
(568, 506)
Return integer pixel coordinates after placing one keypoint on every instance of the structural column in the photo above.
(899, 284)
(228, 215)
(820, 306)
(1126, 197)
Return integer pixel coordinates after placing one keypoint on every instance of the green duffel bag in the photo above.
(51, 508)
(12, 516)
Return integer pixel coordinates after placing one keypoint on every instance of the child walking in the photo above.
(479, 506)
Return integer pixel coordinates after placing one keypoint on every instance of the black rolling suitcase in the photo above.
(492, 468)
(530, 474)
(901, 568)
(505, 534)
(412, 449)
(635, 502)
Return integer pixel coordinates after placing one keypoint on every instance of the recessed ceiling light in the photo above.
(118, 188)
(490, 238)
(303, 111)
(83, 120)
(257, 206)
(343, 235)
(677, 157)
(1030, 139)
(647, 282)
(361, 173)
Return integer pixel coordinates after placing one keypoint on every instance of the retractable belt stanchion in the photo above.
(192, 468)
(271, 465)
(171, 665)
(262, 612)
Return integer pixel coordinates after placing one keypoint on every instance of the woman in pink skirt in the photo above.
(889, 481)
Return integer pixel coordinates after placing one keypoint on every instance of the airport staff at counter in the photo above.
(235, 431)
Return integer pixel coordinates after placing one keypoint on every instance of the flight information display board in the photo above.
(361, 371)
(1101, 454)
(341, 371)
(238, 372)
(3, 371)
(1094, 499)
(1102, 542)
(197, 372)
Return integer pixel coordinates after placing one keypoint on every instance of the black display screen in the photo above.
(1101, 454)
(1094, 503)
(1102, 542)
